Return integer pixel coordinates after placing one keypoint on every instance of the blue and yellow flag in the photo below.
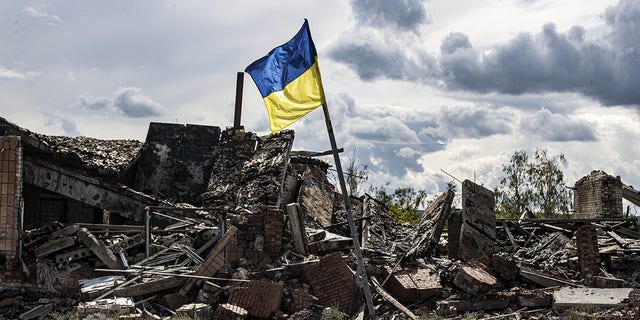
(289, 81)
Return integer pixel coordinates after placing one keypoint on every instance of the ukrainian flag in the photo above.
(289, 81)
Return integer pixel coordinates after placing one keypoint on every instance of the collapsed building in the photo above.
(208, 223)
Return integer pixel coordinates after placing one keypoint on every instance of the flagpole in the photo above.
(238, 110)
(347, 205)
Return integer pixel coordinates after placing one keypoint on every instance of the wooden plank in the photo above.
(297, 227)
(510, 235)
(622, 242)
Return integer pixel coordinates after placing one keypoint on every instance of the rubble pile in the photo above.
(269, 239)
(106, 157)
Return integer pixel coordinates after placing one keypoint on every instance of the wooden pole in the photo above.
(347, 205)
(238, 112)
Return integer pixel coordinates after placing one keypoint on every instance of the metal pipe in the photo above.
(147, 231)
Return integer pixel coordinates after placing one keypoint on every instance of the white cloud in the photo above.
(52, 19)
(127, 102)
(9, 74)
(556, 127)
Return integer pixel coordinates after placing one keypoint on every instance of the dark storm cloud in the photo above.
(129, 102)
(545, 62)
(555, 127)
(606, 69)
(383, 42)
(375, 54)
(403, 14)
(473, 122)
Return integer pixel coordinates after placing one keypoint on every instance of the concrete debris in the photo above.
(478, 230)
(206, 223)
(571, 297)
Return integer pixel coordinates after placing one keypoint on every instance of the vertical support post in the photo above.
(238, 112)
(361, 272)
(147, 231)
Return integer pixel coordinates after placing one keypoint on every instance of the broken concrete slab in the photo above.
(431, 225)
(53, 246)
(478, 231)
(483, 302)
(567, 297)
(316, 196)
(98, 247)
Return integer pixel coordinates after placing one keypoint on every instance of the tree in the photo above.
(536, 185)
(547, 180)
(403, 203)
(356, 173)
(514, 194)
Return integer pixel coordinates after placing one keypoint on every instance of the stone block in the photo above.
(472, 279)
(504, 268)
(412, 285)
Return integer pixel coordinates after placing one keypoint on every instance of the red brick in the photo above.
(331, 281)
(261, 299)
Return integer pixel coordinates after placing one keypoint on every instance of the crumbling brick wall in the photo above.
(261, 299)
(331, 281)
(588, 255)
(273, 224)
(598, 195)
(10, 194)
(248, 170)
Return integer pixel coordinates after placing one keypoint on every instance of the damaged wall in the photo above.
(248, 170)
(176, 161)
(478, 230)
(10, 195)
(598, 195)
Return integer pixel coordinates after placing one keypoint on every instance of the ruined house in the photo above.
(225, 224)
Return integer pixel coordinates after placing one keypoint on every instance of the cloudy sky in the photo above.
(414, 86)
